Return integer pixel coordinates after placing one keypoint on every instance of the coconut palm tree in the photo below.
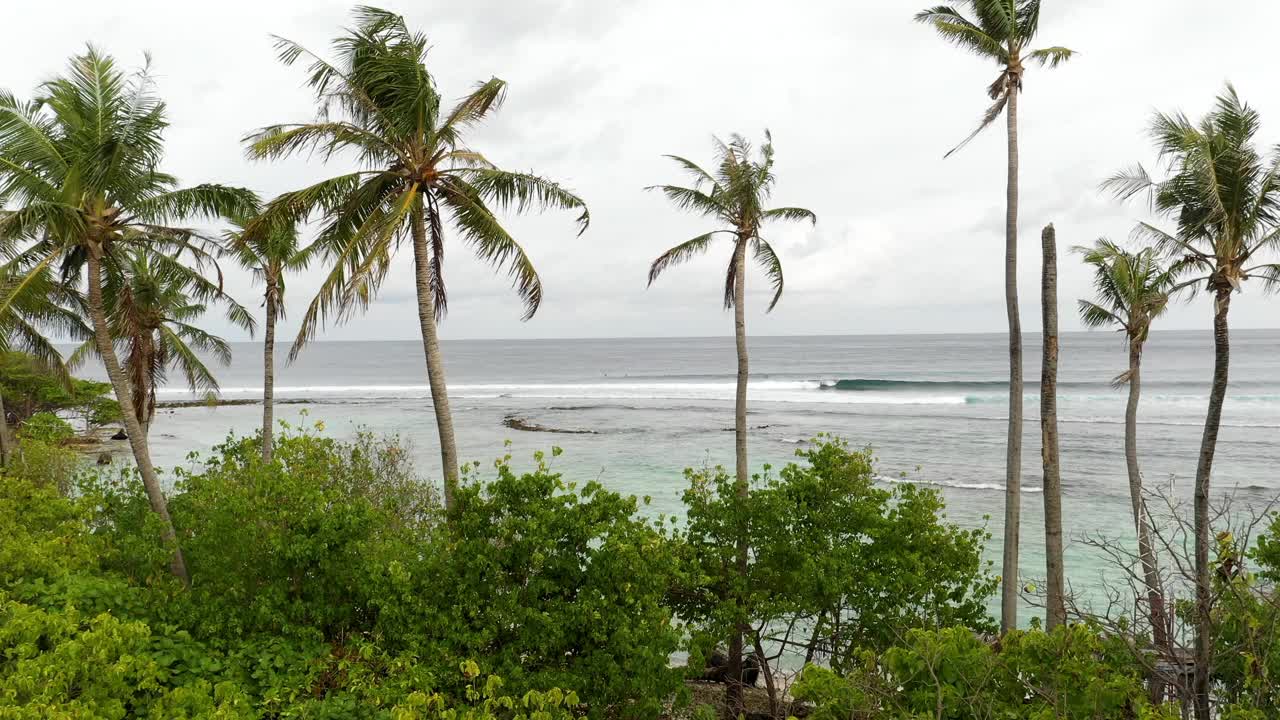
(270, 255)
(151, 305)
(415, 175)
(1132, 290)
(735, 195)
(33, 306)
(1002, 31)
(80, 166)
(1224, 198)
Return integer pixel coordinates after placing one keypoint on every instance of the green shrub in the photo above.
(832, 550)
(548, 584)
(43, 535)
(1073, 673)
(30, 387)
(289, 547)
(43, 463)
(47, 428)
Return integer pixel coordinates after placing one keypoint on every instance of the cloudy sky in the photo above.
(862, 103)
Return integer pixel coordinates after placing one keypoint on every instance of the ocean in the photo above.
(932, 407)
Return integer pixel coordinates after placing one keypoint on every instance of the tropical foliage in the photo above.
(1224, 196)
(328, 580)
(270, 255)
(415, 175)
(81, 168)
(152, 305)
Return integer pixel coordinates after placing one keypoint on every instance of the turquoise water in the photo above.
(932, 407)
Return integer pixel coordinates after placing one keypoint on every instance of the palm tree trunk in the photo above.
(144, 417)
(1055, 590)
(1013, 451)
(6, 440)
(1141, 522)
(1204, 470)
(269, 373)
(435, 365)
(734, 699)
(132, 427)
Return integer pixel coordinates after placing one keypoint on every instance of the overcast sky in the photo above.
(862, 103)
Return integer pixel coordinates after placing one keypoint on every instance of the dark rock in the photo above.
(718, 668)
(120, 435)
(516, 422)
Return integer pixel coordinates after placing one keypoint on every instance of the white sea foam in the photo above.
(952, 484)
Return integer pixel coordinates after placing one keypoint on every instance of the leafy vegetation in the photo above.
(326, 580)
(31, 387)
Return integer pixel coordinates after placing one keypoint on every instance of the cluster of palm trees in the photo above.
(97, 248)
(1222, 195)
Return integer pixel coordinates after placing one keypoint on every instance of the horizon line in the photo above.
(1167, 331)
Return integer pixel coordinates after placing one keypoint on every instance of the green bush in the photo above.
(830, 550)
(291, 546)
(550, 585)
(47, 428)
(1073, 673)
(29, 387)
(42, 463)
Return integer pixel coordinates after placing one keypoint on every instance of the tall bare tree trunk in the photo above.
(132, 427)
(1055, 590)
(1141, 521)
(435, 365)
(269, 372)
(1013, 455)
(1204, 471)
(6, 440)
(734, 700)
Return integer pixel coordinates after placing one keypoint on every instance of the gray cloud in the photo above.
(862, 103)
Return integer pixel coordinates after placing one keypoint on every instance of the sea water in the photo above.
(933, 408)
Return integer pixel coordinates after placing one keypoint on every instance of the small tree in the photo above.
(153, 304)
(736, 196)
(1132, 290)
(270, 254)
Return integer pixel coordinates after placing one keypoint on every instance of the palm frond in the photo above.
(768, 259)
(491, 241)
(680, 253)
(793, 214)
(1051, 57)
(988, 118)
(522, 191)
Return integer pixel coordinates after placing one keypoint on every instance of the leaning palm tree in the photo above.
(415, 174)
(152, 303)
(1002, 31)
(32, 307)
(1224, 196)
(1132, 290)
(80, 166)
(735, 195)
(270, 254)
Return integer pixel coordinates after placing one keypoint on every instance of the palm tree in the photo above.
(1002, 31)
(269, 254)
(32, 306)
(736, 196)
(415, 172)
(151, 305)
(1132, 290)
(81, 164)
(1224, 197)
